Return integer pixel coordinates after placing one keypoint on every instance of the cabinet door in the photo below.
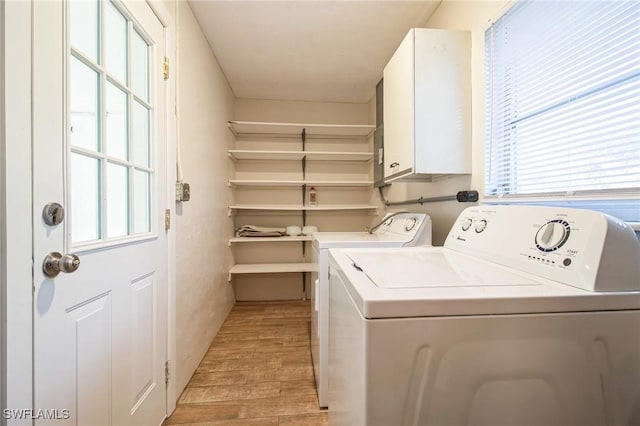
(398, 99)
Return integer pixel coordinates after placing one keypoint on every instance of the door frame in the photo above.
(167, 20)
(3, 248)
(16, 247)
(16, 223)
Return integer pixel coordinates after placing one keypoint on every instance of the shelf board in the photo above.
(238, 154)
(270, 239)
(241, 154)
(273, 268)
(261, 182)
(293, 207)
(338, 156)
(240, 128)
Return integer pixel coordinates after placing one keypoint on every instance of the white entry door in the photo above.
(99, 150)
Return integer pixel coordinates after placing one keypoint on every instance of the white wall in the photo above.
(473, 16)
(206, 103)
(302, 112)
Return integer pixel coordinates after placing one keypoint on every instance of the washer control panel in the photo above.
(576, 247)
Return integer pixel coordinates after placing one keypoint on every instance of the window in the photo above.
(562, 98)
(110, 110)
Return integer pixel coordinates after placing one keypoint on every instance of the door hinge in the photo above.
(166, 372)
(165, 68)
(167, 219)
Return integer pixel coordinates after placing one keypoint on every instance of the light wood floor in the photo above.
(257, 371)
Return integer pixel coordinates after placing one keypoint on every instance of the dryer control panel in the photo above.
(407, 224)
(581, 248)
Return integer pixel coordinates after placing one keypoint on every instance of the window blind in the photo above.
(562, 99)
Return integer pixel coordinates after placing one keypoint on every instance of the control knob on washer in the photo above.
(552, 235)
(466, 224)
(480, 226)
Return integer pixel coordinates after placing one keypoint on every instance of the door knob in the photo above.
(54, 263)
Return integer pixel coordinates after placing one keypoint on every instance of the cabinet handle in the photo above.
(394, 164)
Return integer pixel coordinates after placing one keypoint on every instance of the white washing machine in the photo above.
(397, 229)
(526, 316)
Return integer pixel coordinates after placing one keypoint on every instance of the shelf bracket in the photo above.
(304, 220)
(304, 167)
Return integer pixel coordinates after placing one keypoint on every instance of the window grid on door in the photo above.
(110, 116)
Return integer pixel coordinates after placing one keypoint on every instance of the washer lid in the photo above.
(419, 269)
(392, 283)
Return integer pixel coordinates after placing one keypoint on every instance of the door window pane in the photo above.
(110, 114)
(85, 198)
(140, 66)
(83, 108)
(116, 125)
(84, 27)
(140, 134)
(116, 43)
(117, 200)
(141, 202)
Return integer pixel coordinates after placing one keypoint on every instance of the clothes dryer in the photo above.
(396, 230)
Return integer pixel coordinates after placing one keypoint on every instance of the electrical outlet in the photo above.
(467, 196)
(183, 191)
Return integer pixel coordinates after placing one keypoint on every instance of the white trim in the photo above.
(17, 253)
(3, 225)
(632, 194)
(168, 22)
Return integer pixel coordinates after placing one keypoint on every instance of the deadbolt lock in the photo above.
(54, 263)
(53, 214)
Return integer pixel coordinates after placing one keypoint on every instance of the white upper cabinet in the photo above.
(427, 106)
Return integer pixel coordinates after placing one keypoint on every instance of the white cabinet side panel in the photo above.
(442, 101)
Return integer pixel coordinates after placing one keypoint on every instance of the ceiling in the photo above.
(328, 51)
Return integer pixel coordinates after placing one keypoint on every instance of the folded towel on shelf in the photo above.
(259, 231)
